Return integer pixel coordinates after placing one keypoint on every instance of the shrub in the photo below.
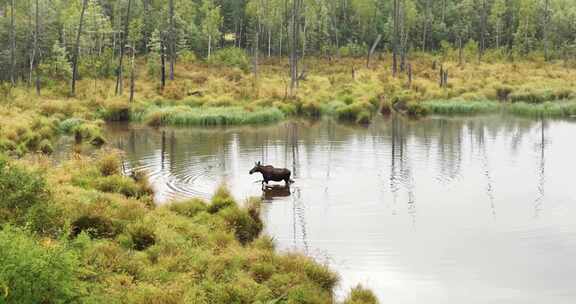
(45, 219)
(109, 163)
(222, 199)
(117, 110)
(118, 184)
(359, 112)
(69, 125)
(95, 226)
(187, 57)
(246, 228)
(189, 208)
(360, 295)
(353, 50)
(45, 147)
(503, 93)
(232, 57)
(32, 273)
(142, 236)
(321, 275)
(20, 189)
(416, 109)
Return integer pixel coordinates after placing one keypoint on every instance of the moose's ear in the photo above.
(258, 163)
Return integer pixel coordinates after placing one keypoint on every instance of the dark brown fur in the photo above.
(270, 173)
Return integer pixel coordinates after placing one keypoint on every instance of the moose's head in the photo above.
(257, 168)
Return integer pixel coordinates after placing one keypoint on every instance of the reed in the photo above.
(209, 116)
(460, 107)
(548, 109)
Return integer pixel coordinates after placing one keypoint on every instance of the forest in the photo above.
(44, 41)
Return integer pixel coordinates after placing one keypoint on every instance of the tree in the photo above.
(36, 52)
(211, 22)
(172, 40)
(12, 45)
(119, 73)
(77, 48)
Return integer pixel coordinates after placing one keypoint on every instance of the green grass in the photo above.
(457, 107)
(208, 116)
(548, 109)
(461, 107)
(110, 245)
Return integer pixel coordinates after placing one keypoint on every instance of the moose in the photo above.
(269, 173)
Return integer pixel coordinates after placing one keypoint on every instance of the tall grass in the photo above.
(209, 116)
(461, 107)
(548, 109)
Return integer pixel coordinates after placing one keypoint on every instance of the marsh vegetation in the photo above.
(84, 228)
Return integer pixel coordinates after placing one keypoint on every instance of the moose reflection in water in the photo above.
(275, 191)
(269, 173)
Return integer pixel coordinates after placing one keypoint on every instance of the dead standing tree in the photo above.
(372, 50)
(77, 48)
(295, 42)
(12, 45)
(119, 73)
(396, 37)
(172, 40)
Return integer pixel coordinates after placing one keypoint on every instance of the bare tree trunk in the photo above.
(545, 29)
(172, 41)
(146, 36)
(460, 51)
(498, 34)
(270, 42)
(209, 46)
(482, 30)
(120, 72)
(294, 47)
(36, 50)
(426, 25)
(403, 36)
(132, 73)
(12, 45)
(280, 46)
(372, 50)
(162, 63)
(256, 51)
(395, 39)
(77, 48)
(409, 74)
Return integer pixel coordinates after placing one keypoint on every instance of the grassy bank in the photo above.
(213, 94)
(458, 107)
(206, 116)
(82, 232)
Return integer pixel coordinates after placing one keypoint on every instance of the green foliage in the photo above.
(232, 57)
(189, 208)
(99, 67)
(57, 65)
(20, 190)
(353, 50)
(35, 273)
(95, 226)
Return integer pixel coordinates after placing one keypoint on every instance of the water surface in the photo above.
(440, 210)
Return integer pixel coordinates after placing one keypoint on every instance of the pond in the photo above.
(445, 210)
